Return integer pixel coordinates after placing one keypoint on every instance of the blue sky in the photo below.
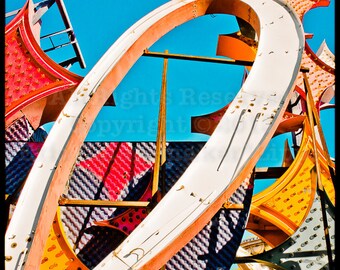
(194, 88)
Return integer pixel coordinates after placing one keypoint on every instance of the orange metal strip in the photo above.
(101, 203)
(161, 133)
(233, 47)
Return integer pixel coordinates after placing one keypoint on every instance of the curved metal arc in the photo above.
(200, 171)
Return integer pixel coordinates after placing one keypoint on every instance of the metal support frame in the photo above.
(160, 157)
(101, 203)
(41, 8)
(316, 170)
(72, 36)
(59, 46)
(203, 59)
(196, 58)
(233, 206)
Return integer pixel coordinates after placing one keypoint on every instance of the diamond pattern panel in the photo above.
(112, 171)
